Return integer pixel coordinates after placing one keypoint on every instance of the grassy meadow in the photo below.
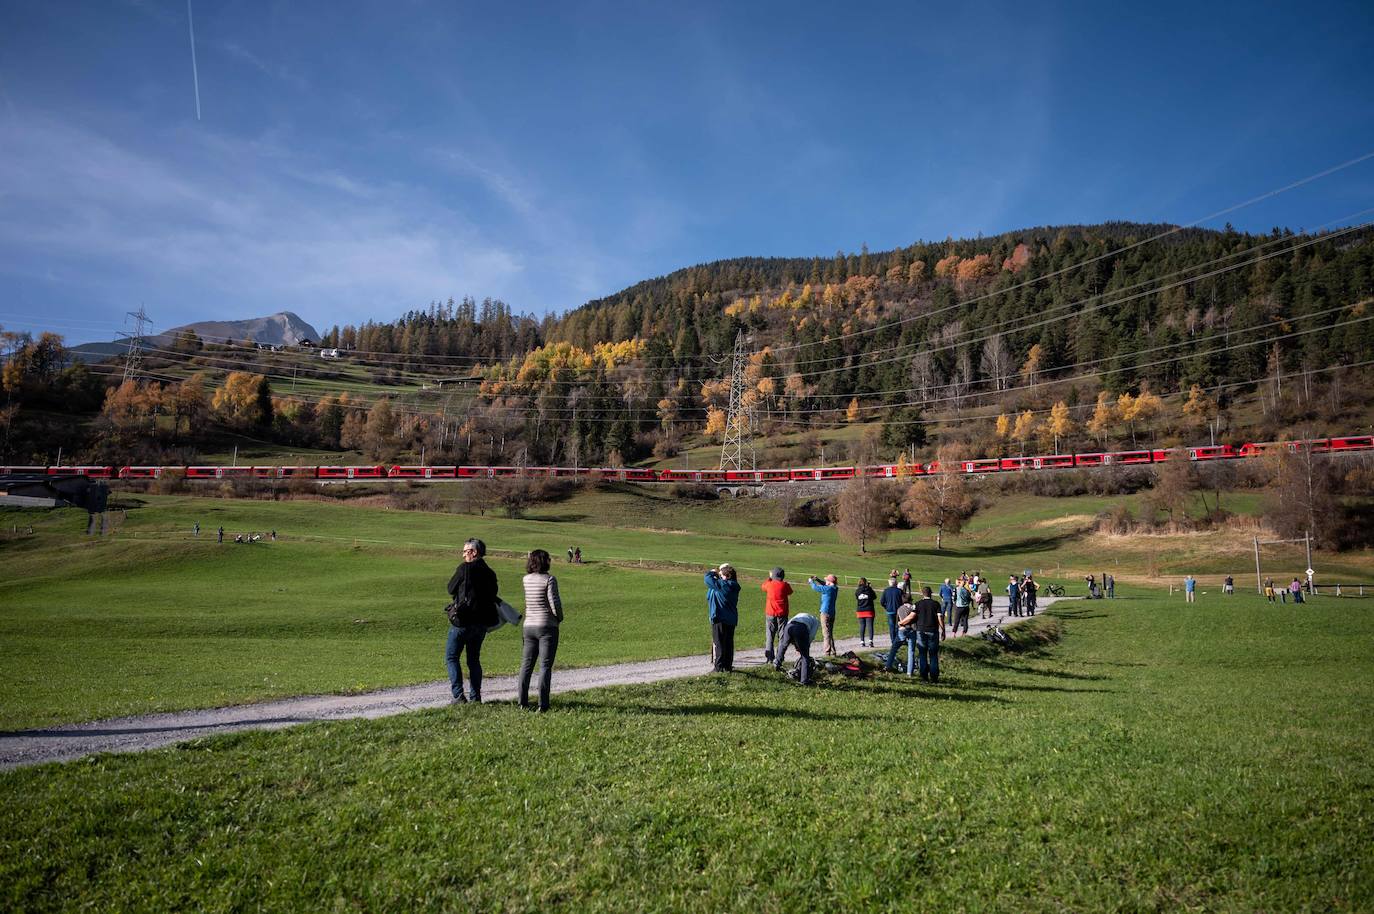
(150, 618)
(1152, 756)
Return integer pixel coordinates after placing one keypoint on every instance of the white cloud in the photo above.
(222, 222)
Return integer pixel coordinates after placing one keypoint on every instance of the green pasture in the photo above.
(1157, 758)
(150, 618)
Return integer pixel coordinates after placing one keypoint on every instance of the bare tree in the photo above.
(996, 361)
(1175, 481)
(942, 499)
(864, 512)
(1299, 498)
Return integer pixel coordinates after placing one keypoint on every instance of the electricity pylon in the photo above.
(133, 361)
(737, 453)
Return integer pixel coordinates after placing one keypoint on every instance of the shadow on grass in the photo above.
(711, 710)
(1029, 671)
(558, 518)
(1076, 613)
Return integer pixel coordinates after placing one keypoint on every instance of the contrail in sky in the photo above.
(195, 74)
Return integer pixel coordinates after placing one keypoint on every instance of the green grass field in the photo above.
(1158, 757)
(349, 599)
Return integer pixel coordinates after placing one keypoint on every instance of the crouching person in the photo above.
(800, 632)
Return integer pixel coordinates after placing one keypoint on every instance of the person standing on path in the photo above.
(947, 599)
(927, 627)
(775, 608)
(892, 600)
(829, 591)
(1111, 586)
(800, 631)
(543, 616)
(1190, 588)
(984, 599)
(722, 608)
(1028, 591)
(474, 590)
(1013, 596)
(1296, 590)
(963, 599)
(865, 605)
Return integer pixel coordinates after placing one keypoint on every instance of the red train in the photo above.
(711, 477)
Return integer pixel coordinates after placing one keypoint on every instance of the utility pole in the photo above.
(737, 453)
(133, 361)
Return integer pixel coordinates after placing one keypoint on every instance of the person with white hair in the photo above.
(829, 591)
(722, 608)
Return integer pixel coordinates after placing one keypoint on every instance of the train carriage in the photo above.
(140, 472)
(337, 472)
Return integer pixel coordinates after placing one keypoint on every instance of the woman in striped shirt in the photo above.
(543, 613)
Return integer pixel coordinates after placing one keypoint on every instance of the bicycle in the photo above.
(1054, 590)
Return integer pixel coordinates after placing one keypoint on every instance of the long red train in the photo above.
(717, 477)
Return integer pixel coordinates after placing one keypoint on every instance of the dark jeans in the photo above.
(541, 643)
(797, 633)
(892, 628)
(960, 618)
(772, 633)
(866, 629)
(723, 638)
(908, 636)
(1030, 607)
(469, 638)
(928, 649)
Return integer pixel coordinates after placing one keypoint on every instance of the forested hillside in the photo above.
(1048, 338)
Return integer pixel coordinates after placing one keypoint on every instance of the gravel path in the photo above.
(151, 731)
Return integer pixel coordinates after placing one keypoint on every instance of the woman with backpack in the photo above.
(543, 616)
(865, 601)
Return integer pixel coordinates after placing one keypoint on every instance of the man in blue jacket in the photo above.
(722, 605)
(947, 599)
(828, 591)
(892, 599)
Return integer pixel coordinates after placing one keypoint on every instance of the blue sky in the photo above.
(355, 160)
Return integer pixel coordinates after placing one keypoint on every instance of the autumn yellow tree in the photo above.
(715, 422)
(852, 413)
(1060, 424)
(1003, 426)
(1030, 371)
(1199, 407)
(237, 401)
(1100, 425)
(1025, 428)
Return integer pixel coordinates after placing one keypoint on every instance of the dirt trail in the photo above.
(152, 731)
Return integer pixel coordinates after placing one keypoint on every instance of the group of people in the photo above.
(574, 555)
(912, 617)
(1097, 589)
(1282, 591)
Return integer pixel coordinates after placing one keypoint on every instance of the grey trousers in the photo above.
(541, 643)
(773, 627)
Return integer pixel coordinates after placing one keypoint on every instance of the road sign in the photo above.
(1310, 572)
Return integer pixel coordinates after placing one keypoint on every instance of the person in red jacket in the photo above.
(776, 591)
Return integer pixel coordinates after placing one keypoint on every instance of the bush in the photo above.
(693, 491)
(813, 512)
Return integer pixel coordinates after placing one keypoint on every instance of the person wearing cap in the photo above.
(800, 631)
(828, 591)
(775, 608)
(474, 590)
(722, 608)
(947, 598)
